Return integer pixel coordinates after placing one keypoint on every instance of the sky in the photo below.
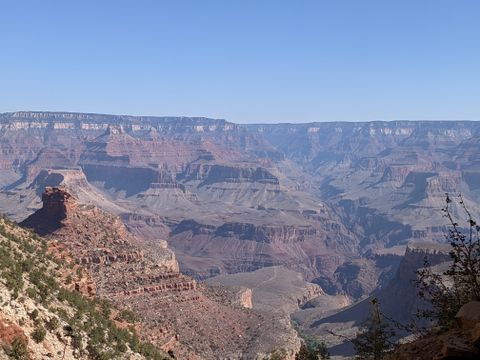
(245, 61)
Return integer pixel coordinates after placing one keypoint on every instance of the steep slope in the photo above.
(43, 314)
(462, 341)
(317, 198)
(396, 172)
(175, 313)
(274, 289)
(171, 176)
(398, 300)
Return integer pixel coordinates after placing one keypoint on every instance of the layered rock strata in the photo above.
(174, 313)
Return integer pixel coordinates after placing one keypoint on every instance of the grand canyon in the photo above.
(226, 239)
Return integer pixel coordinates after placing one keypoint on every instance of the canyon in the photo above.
(174, 313)
(332, 207)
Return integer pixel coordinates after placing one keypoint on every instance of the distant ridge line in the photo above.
(78, 116)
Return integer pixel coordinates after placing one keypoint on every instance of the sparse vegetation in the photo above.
(312, 347)
(28, 269)
(460, 284)
(52, 324)
(127, 315)
(38, 335)
(312, 352)
(376, 340)
(278, 354)
(17, 350)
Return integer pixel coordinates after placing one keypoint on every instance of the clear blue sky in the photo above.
(246, 61)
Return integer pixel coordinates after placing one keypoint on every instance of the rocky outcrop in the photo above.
(167, 287)
(415, 256)
(265, 233)
(398, 299)
(251, 232)
(209, 174)
(105, 257)
(311, 292)
(101, 243)
(469, 315)
(57, 203)
(174, 313)
(461, 342)
(245, 298)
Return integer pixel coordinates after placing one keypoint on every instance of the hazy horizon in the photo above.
(240, 123)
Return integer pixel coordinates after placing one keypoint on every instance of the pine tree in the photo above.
(317, 351)
(304, 353)
(375, 340)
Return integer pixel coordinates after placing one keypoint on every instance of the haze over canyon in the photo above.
(294, 220)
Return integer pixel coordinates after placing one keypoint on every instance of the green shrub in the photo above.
(375, 340)
(77, 341)
(31, 293)
(38, 335)
(127, 315)
(52, 324)
(33, 315)
(17, 350)
(463, 273)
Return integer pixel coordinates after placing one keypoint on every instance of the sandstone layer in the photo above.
(317, 198)
(175, 313)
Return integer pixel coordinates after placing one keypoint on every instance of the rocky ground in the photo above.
(175, 313)
(398, 300)
(44, 316)
(273, 289)
(461, 342)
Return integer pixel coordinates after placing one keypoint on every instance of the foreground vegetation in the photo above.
(30, 275)
(444, 293)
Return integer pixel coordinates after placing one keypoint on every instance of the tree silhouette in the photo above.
(460, 284)
(374, 341)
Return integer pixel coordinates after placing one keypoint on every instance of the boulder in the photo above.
(456, 350)
(475, 335)
(469, 315)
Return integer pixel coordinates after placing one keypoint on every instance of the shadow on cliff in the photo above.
(56, 204)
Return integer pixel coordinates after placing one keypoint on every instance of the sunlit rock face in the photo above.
(318, 198)
(144, 276)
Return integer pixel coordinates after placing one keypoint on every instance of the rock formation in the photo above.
(317, 198)
(174, 312)
(460, 342)
(398, 300)
(44, 313)
(57, 204)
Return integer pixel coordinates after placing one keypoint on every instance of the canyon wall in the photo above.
(230, 198)
(174, 312)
